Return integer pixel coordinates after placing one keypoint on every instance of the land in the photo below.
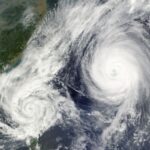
(14, 34)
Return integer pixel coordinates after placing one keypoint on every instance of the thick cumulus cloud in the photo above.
(89, 60)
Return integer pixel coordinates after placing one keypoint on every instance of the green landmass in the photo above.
(33, 144)
(12, 14)
(12, 42)
(13, 34)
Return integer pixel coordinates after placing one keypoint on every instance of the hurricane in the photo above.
(83, 81)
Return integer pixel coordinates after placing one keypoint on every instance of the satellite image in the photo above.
(75, 75)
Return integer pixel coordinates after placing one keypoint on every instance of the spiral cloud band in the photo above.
(86, 67)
